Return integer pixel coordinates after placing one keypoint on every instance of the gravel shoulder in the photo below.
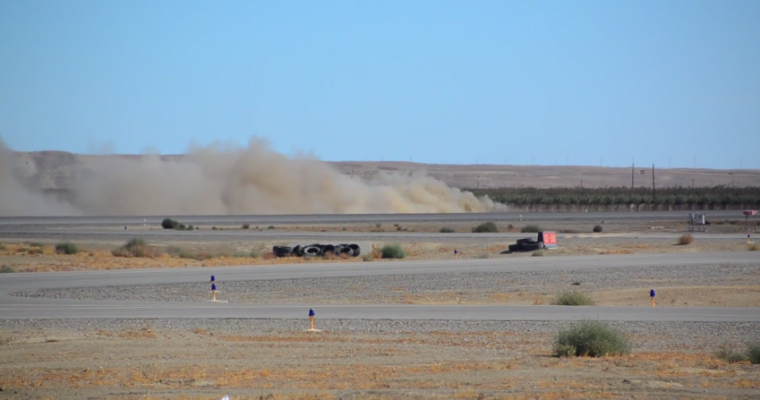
(713, 285)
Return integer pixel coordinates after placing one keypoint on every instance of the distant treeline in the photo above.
(621, 198)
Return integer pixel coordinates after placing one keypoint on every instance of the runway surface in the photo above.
(12, 307)
(368, 218)
(274, 234)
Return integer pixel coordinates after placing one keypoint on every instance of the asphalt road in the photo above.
(12, 307)
(367, 218)
(274, 234)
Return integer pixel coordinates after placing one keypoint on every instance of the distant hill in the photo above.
(54, 170)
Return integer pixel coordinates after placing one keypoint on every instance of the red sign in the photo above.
(548, 238)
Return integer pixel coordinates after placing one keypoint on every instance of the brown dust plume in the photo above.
(230, 180)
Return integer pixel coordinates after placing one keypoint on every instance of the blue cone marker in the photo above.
(213, 286)
(311, 312)
(651, 295)
(311, 318)
(212, 278)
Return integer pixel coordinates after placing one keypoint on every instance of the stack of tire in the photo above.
(316, 250)
(526, 244)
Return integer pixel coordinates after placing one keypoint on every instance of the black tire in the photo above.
(530, 246)
(311, 251)
(342, 249)
(297, 251)
(328, 249)
(282, 251)
(514, 247)
(526, 241)
(356, 249)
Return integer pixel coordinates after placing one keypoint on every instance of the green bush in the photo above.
(6, 270)
(485, 227)
(753, 352)
(598, 228)
(168, 223)
(393, 251)
(590, 339)
(66, 248)
(531, 229)
(726, 353)
(572, 298)
(447, 229)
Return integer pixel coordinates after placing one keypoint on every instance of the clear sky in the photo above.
(517, 82)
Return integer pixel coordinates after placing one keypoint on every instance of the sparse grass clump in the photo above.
(590, 339)
(753, 352)
(598, 228)
(685, 239)
(6, 270)
(135, 247)
(485, 227)
(730, 355)
(447, 229)
(531, 229)
(572, 298)
(537, 253)
(66, 248)
(393, 251)
(754, 247)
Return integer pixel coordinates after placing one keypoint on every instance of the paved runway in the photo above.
(368, 218)
(208, 235)
(12, 307)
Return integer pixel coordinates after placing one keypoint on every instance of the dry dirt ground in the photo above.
(202, 360)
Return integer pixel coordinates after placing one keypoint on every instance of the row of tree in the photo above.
(714, 197)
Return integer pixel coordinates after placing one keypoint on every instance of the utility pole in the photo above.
(632, 176)
(654, 194)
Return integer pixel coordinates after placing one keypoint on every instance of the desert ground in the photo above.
(379, 359)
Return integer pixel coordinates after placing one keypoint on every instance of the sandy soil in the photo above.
(141, 362)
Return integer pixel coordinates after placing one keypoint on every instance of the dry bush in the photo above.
(136, 247)
(754, 247)
(685, 239)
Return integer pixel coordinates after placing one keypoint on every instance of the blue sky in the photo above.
(517, 82)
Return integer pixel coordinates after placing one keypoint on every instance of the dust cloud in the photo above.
(17, 200)
(223, 179)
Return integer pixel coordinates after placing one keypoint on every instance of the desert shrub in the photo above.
(446, 229)
(169, 223)
(246, 226)
(120, 252)
(753, 352)
(572, 298)
(6, 270)
(135, 247)
(393, 251)
(485, 227)
(36, 250)
(35, 244)
(754, 247)
(590, 339)
(728, 354)
(685, 239)
(537, 253)
(598, 228)
(183, 227)
(66, 248)
(531, 229)
(2, 247)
